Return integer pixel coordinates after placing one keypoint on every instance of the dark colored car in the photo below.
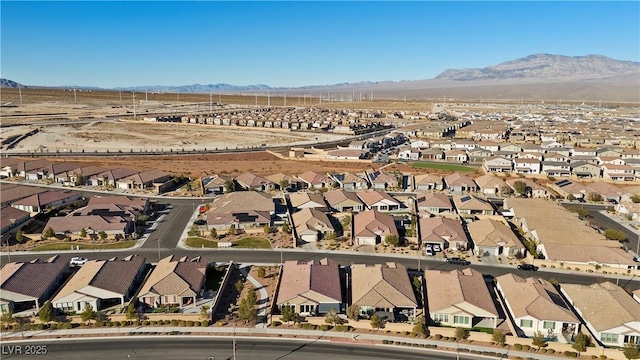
(527, 267)
(458, 261)
(200, 222)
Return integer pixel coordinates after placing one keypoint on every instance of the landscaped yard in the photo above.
(67, 246)
(253, 242)
(199, 242)
(449, 167)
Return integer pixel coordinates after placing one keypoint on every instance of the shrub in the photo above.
(385, 341)
(325, 327)
(53, 326)
(100, 324)
(182, 323)
(517, 347)
(437, 336)
(189, 323)
(124, 323)
(136, 323)
(146, 322)
(65, 326)
(204, 323)
(39, 326)
(174, 323)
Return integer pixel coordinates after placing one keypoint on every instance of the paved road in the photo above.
(209, 348)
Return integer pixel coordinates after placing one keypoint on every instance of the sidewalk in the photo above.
(355, 338)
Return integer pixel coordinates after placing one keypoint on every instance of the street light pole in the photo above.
(158, 240)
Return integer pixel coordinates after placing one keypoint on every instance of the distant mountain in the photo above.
(197, 88)
(548, 67)
(10, 84)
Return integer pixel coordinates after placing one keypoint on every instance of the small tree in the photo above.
(284, 184)
(538, 340)
(346, 221)
(102, 234)
(612, 234)
(506, 190)
(229, 186)
(287, 313)
(214, 233)
(239, 285)
(247, 311)
(83, 233)
(88, 313)
(46, 313)
(499, 337)
(204, 313)
(20, 236)
(631, 351)
(392, 240)
(261, 272)
(581, 342)
(330, 235)
(594, 197)
(332, 318)
(571, 197)
(461, 333)
(6, 319)
(285, 228)
(232, 229)
(48, 233)
(132, 312)
(267, 229)
(353, 312)
(252, 299)
(417, 283)
(635, 198)
(420, 328)
(520, 187)
(376, 321)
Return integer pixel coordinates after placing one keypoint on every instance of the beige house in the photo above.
(343, 201)
(385, 290)
(460, 298)
(492, 238)
(490, 185)
(312, 288)
(174, 281)
(468, 205)
(311, 225)
(428, 182)
(438, 234)
(371, 227)
(433, 203)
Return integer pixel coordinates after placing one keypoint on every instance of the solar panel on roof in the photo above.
(466, 198)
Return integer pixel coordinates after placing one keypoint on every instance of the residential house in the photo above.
(460, 298)
(420, 144)
(11, 218)
(79, 176)
(409, 154)
(344, 201)
(433, 203)
(242, 210)
(346, 154)
(618, 172)
(428, 182)
(610, 314)
(492, 238)
(371, 227)
(27, 285)
(382, 181)
(101, 284)
(556, 157)
(57, 170)
(438, 234)
(42, 202)
(497, 164)
(304, 200)
(384, 290)
(249, 181)
(581, 151)
(527, 166)
(556, 168)
(12, 192)
(174, 281)
(379, 200)
(312, 287)
(490, 185)
(351, 182)
(583, 169)
(536, 306)
(434, 153)
(608, 191)
(511, 147)
(491, 146)
(467, 205)
(216, 184)
(93, 219)
(458, 183)
(479, 154)
(532, 189)
(33, 169)
(285, 182)
(458, 156)
(312, 179)
(109, 177)
(158, 180)
(311, 225)
(568, 188)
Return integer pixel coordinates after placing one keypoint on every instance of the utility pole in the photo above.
(210, 102)
(75, 99)
(133, 94)
(20, 92)
(285, 98)
(146, 98)
(268, 99)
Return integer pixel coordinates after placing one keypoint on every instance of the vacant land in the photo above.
(447, 167)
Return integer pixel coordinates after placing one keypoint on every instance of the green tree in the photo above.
(48, 233)
(392, 240)
(498, 337)
(20, 236)
(346, 221)
(594, 197)
(571, 197)
(461, 333)
(420, 327)
(6, 319)
(284, 184)
(204, 313)
(285, 228)
(83, 233)
(46, 313)
(232, 229)
(332, 318)
(261, 272)
(88, 313)
(612, 234)
(417, 283)
(635, 198)
(581, 342)
(132, 312)
(376, 321)
(252, 299)
(330, 235)
(520, 187)
(538, 340)
(631, 351)
(287, 313)
(506, 190)
(214, 233)
(267, 229)
(247, 311)
(239, 285)
(229, 186)
(102, 234)
(353, 312)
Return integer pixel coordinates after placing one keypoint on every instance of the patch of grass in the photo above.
(253, 242)
(437, 166)
(67, 246)
(199, 242)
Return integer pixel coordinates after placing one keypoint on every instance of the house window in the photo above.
(549, 325)
(631, 339)
(526, 323)
(441, 318)
(609, 338)
(457, 319)
(307, 309)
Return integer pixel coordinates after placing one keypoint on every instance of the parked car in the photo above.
(78, 261)
(200, 222)
(527, 267)
(458, 261)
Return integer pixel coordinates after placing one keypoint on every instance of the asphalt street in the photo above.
(213, 348)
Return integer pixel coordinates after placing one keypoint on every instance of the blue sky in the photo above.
(111, 44)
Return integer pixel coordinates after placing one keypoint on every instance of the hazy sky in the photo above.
(112, 44)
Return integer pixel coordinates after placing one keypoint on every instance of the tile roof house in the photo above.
(446, 233)
(111, 222)
(109, 177)
(30, 284)
(385, 290)
(101, 283)
(611, 315)
(311, 287)
(12, 192)
(316, 180)
(242, 209)
(290, 183)
(343, 201)
(150, 179)
(251, 181)
(41, 202)
(490, 185)
(381, 180)
(371, 227)
(472, 205)
(585, 170)
(433, 203)
(311, 225)
(497, 164)
(536, 306)
(459, 298)
(79, 176)
(307, 200)
(379, 200)
(458, 183)
(351, 182)
(174, 281)
(10, 218)
(532, 189)
(428, 182)
(492, 238)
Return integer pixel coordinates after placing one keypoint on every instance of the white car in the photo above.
(78, 261)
